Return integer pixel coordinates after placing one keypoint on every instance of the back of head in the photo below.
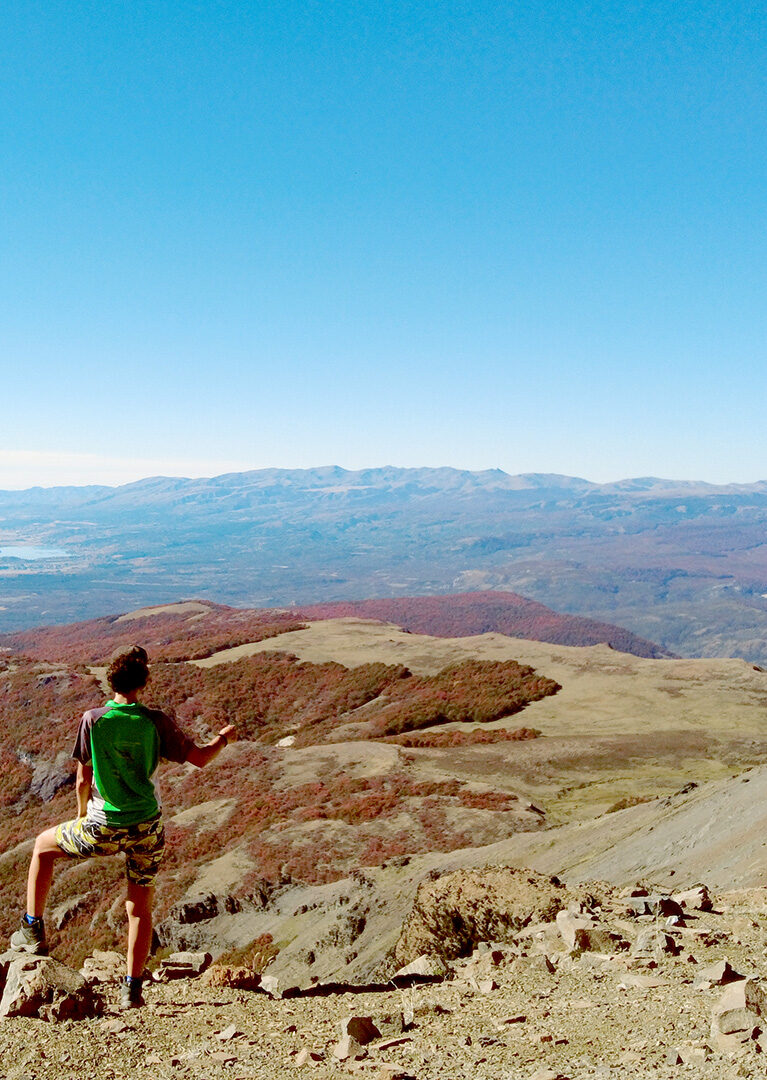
(128, 670)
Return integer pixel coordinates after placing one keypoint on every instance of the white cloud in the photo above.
(39, 468)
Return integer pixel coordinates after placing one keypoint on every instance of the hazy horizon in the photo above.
(101, 474)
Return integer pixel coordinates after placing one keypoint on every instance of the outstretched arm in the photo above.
(83, 785)
(203, 755)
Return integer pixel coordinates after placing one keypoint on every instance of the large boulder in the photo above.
(42, 987)
(451, 915)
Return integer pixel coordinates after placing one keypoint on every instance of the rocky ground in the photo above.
(616, 985)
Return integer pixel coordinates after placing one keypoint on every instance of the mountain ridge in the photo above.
(453, 615)
(681, 563)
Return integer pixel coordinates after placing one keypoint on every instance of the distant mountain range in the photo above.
(677, 562)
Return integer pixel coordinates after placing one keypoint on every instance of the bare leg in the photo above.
(46, 852)
(138, 905)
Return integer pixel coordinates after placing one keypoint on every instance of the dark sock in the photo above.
(33, 920)
(135, 982)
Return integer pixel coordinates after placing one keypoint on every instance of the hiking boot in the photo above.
(130, 997)
(30, 939)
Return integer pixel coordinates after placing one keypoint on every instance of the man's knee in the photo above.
(46, 846)
(138, 902)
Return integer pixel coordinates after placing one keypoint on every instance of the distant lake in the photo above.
(33, 552)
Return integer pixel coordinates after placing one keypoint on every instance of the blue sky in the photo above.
(526, 235)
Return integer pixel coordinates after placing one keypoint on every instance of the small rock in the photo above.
(428, 965)
(390, 1024)
(654, 905)
(583, 934)
(487, 986)
(568, 926)
(695, 899)
(652, 942)
(360, 1028)
(736, 1042)
(231, 1032)
(642, 982)
(387, 1070)
(270, 984)
(520, 1018)
(693, 1055)
(719, 974)
(389, 1043)
(308, 1057)
(346, 1048)
(113, 1027)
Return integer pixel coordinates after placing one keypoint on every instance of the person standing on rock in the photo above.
(118, 749)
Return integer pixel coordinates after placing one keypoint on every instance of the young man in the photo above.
(118, 748)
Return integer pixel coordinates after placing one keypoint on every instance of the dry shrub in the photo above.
(629, 800)
(462, 738)
(271, 694)
(166, 636)
(488, 800)
(255, 956)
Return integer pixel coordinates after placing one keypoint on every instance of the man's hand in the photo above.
(203, 755)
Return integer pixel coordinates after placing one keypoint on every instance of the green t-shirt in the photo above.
(124, 744)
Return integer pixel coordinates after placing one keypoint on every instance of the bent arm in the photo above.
(83, 785)
(203, 755)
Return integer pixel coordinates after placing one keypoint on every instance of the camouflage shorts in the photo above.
(143, 844)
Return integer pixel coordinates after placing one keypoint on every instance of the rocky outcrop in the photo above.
(183, 965)
(48, 777)
(458, 910)
(42, 987)
(201, 908)
(186, 928)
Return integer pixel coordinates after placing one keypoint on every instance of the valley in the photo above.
(681, 564)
